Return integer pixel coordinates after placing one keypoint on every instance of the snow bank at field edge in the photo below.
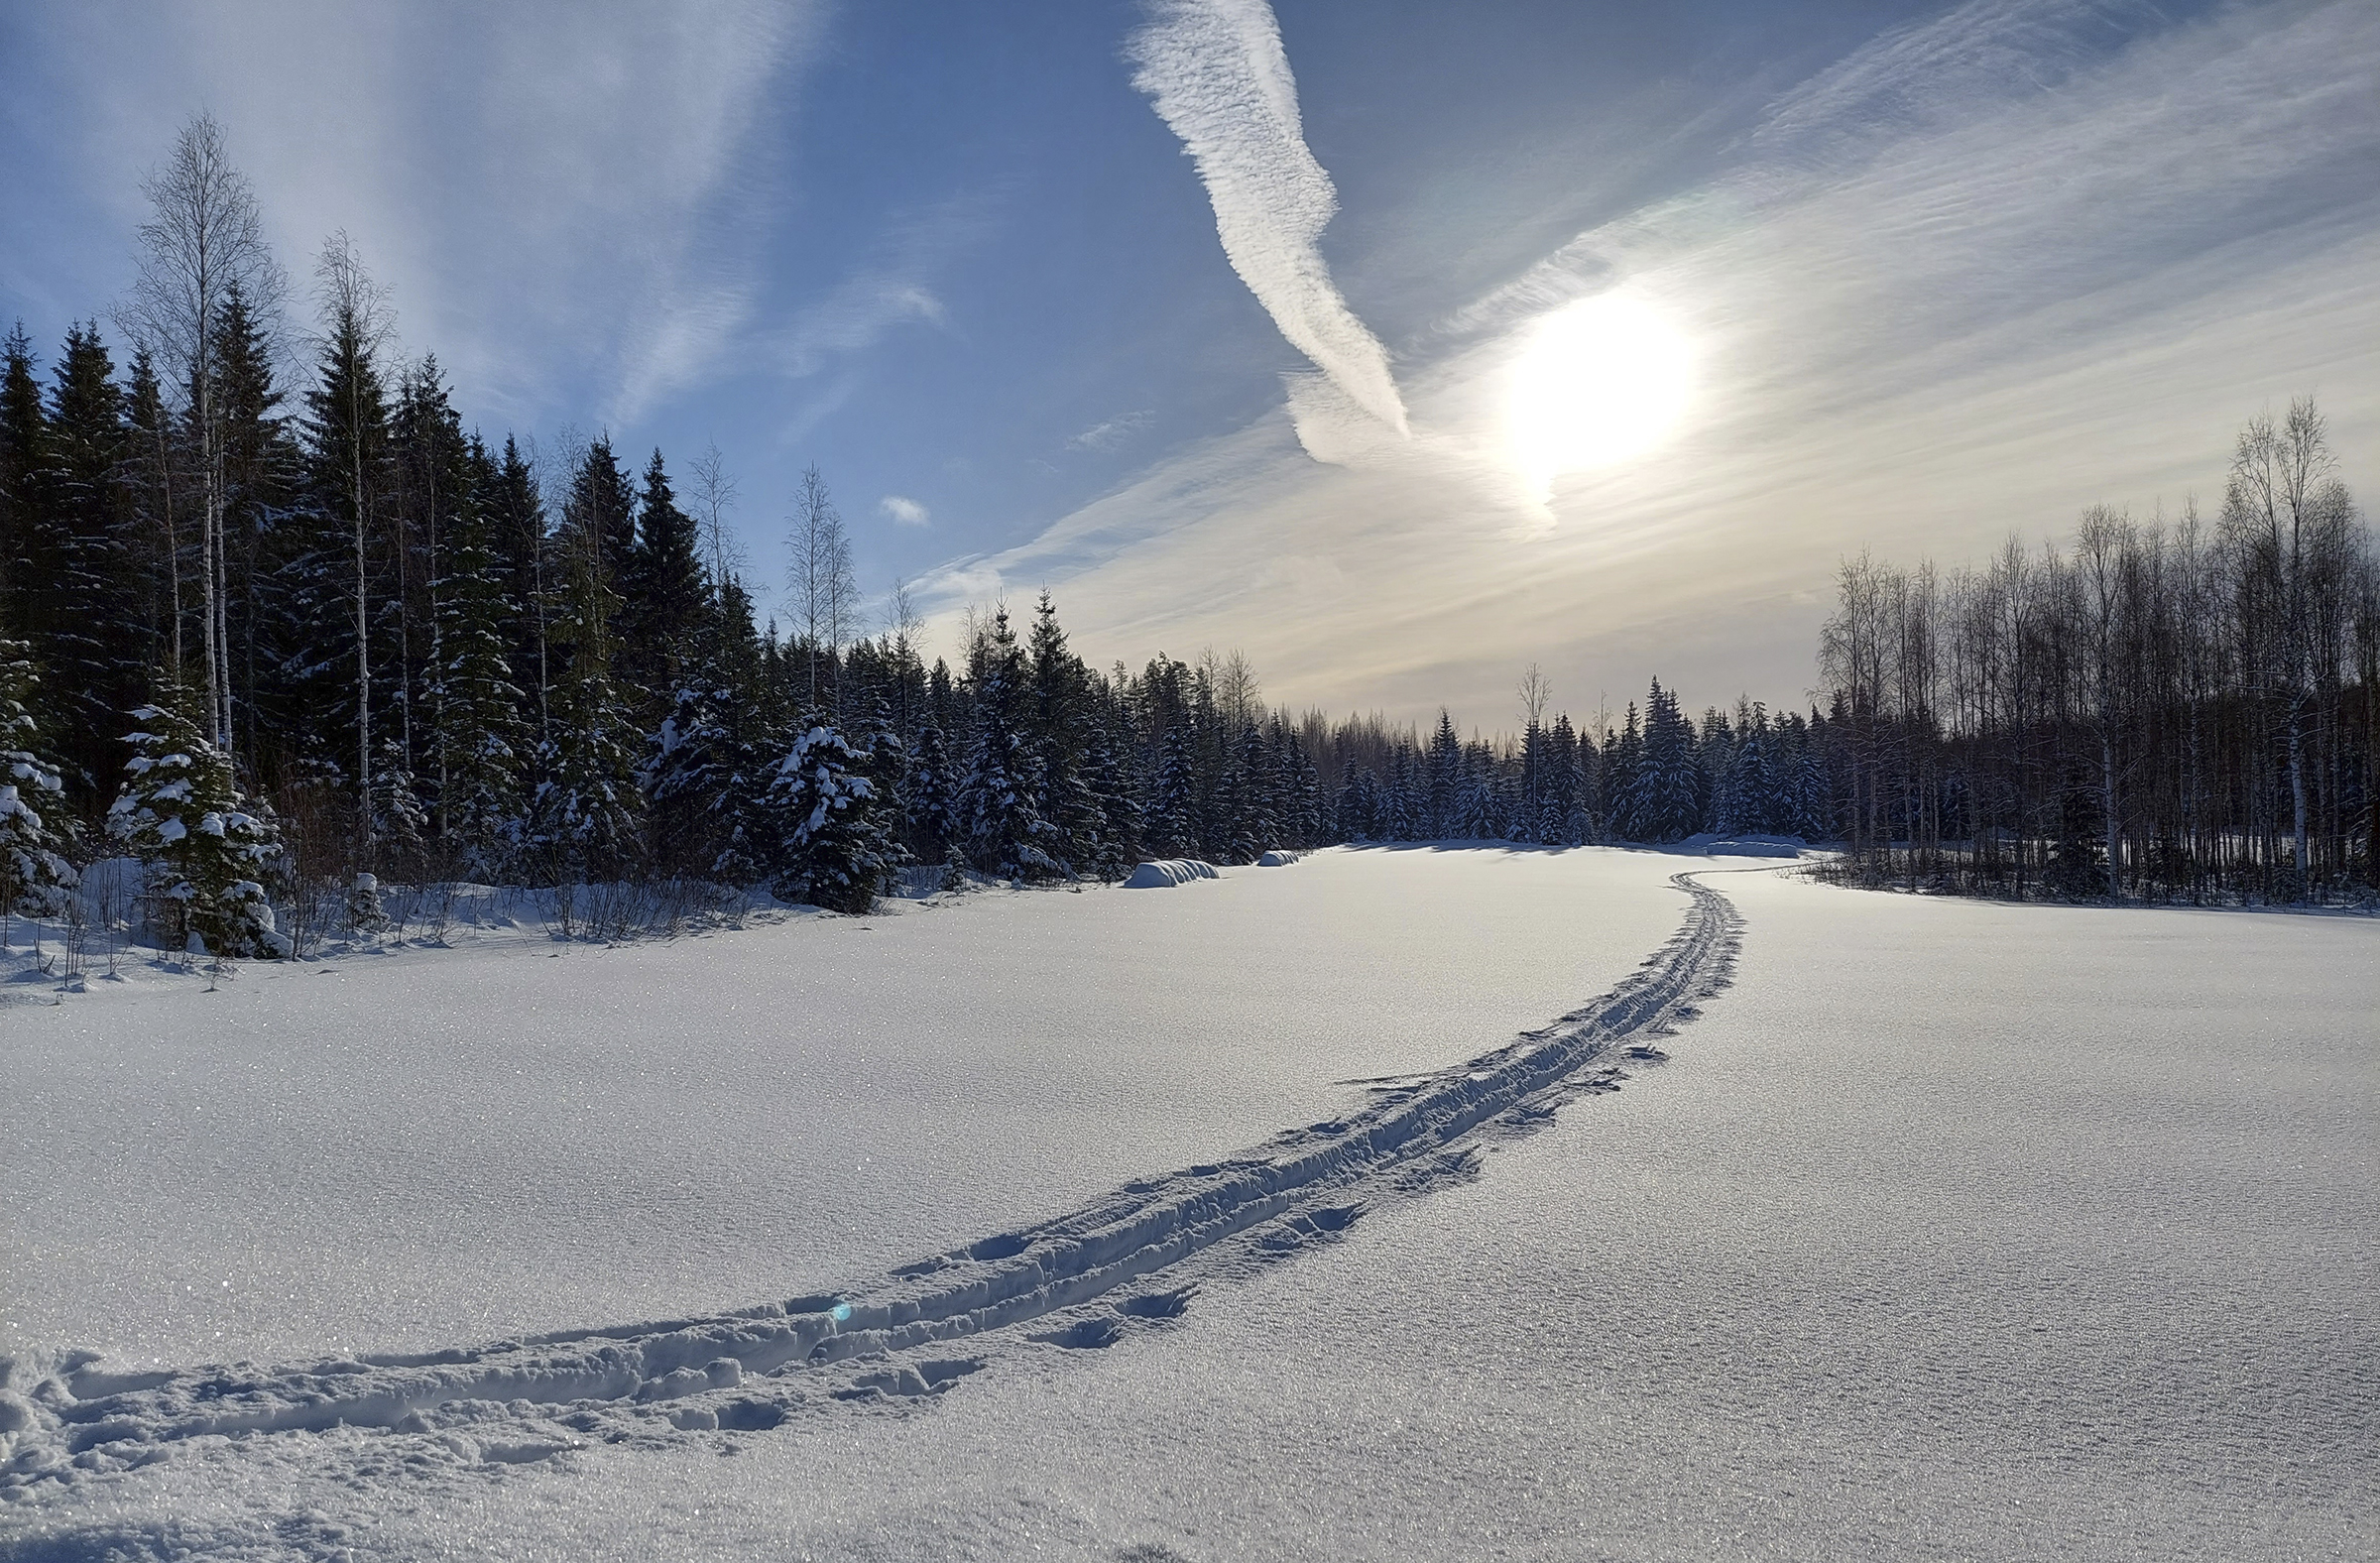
(1165, 873)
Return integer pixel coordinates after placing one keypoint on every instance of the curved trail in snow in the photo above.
(1122, 1263)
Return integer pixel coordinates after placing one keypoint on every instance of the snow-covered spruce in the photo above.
(837, 852)
(33, 878)
(752, 1369)
(208, 857)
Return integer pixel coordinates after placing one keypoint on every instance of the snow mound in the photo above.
(1279, 858)
(1744, 846)
(1166, 871)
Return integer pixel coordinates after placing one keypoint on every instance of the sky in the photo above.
(1398, 345)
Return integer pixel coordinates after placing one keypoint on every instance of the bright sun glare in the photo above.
(1600, 382)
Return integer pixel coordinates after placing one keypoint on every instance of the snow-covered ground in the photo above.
(1949, 1230)
(430, 1147)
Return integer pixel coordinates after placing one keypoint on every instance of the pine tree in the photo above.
(835, 850)
(210, 860)
(34, 877)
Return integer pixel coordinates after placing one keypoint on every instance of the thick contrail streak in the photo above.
(1215, 72)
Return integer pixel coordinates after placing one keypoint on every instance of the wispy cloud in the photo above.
(1111, 431)
(2027, 258)
(1218, 76)
(904, 511)
(560, 197)
(852, 318)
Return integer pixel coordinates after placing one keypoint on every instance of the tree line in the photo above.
(271, 619)
(2171, 709)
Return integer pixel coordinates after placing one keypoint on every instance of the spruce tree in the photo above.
(693, 778)
(1445, 776)
(479, 739)
(24, 425)
(1171, 831)
(1119, 844)
(262, 482)
(1002, 832)
(334, 578)
(1664, 802)
(1623, 761)
(34, 877)
(932, 796)
(888, 772)
(666, 598)
(210, 860)
(835, 850)
(583, 811)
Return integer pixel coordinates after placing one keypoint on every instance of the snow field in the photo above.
(432, 1148)
(1951, 1230)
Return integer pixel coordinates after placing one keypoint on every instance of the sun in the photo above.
(1600, 382)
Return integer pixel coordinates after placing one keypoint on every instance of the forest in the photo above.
(276, 622)
(2176, 710)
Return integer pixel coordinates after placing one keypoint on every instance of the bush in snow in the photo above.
(34, 878)
(835, 849)
(208, 857)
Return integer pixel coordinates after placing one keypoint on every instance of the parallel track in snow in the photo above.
(1132, 1255)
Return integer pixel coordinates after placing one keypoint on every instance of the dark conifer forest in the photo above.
(276, 614)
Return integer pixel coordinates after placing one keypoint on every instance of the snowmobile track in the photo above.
(1151, 1241)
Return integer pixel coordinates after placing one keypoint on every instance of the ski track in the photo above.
(1151, 1244)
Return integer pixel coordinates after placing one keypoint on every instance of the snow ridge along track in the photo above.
(524, 1399)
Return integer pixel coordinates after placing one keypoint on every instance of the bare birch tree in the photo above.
(711, 492)
(825, 591)
(356, 323)
(205, 237)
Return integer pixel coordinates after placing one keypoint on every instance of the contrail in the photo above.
(1217, 74)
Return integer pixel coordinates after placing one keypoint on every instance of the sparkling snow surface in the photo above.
(437, 1148)
(1950, 1230)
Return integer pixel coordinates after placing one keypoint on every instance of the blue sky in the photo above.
(1940, 272)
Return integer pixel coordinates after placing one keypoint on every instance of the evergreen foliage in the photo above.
(834, 850)
(34, 874)
(211, 862)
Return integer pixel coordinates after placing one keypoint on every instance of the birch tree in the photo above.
(204, 238)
